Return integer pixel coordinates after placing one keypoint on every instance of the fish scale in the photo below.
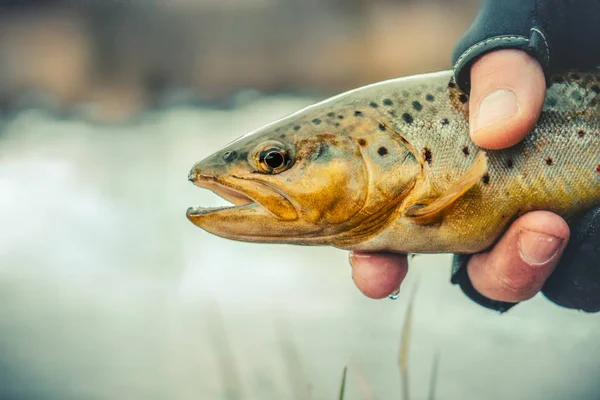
(391, 167)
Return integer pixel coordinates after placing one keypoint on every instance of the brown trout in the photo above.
(390, 167)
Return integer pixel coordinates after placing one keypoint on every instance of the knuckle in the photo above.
(517, 286)
(511, 283)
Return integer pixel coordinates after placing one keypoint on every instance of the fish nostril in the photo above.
(229, 156)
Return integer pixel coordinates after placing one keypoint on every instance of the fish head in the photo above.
(306, 180)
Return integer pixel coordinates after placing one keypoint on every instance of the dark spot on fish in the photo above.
(336, 124)
(316, 121)
(596, 89)
(486, 178)
(373, 104)
(340, 117)
(510, 164)
(580, 133)
(381, 127)
(362, 142)
(465, 150)
(549, 161)
(331, 114)
(229, 156)
(451, 84)
(323, 151)
(382, 151)
(551, 101)
(407, 118)
(463, 98)
(387, 102)
(429, 97)
(297, 128)
(417, 106)
(315, 147)
(358, 113)
(282, 136)
(576, 96)
(427, 155)
(445, 121)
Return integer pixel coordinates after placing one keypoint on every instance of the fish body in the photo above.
(391, 167)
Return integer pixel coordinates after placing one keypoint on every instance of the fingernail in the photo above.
(495, 107)
(536, 248)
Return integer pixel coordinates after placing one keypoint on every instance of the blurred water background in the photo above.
(108, 292)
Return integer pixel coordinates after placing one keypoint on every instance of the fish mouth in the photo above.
(245, 195)
(236, 197)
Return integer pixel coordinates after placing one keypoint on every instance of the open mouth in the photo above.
(246, 195)
(231, 194)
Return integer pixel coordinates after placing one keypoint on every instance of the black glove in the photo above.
(561, 35)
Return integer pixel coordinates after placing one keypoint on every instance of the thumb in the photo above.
(507, 95)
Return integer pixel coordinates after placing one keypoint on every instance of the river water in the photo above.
(108, 292)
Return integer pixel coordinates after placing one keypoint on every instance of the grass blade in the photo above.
(405, 346)
(343, 384)
(434, 375)
(403, 357)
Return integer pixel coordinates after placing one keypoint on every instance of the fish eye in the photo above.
(272, 157)
(273, 160)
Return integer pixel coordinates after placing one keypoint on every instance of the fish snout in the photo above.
(193, 175)
(208, 169)
(197, 175)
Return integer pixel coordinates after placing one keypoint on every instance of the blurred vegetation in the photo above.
(114, 58)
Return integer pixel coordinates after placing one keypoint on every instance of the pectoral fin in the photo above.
(428, 210)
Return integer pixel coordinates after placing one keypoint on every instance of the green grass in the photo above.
(343, 384)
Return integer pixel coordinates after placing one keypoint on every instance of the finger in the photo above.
(519, 264)
(378, 275)
(507, 95)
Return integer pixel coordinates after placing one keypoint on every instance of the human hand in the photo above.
(507, 95)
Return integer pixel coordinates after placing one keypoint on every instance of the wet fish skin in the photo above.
(391, 167)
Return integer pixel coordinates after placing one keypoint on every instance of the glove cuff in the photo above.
(506, 24)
